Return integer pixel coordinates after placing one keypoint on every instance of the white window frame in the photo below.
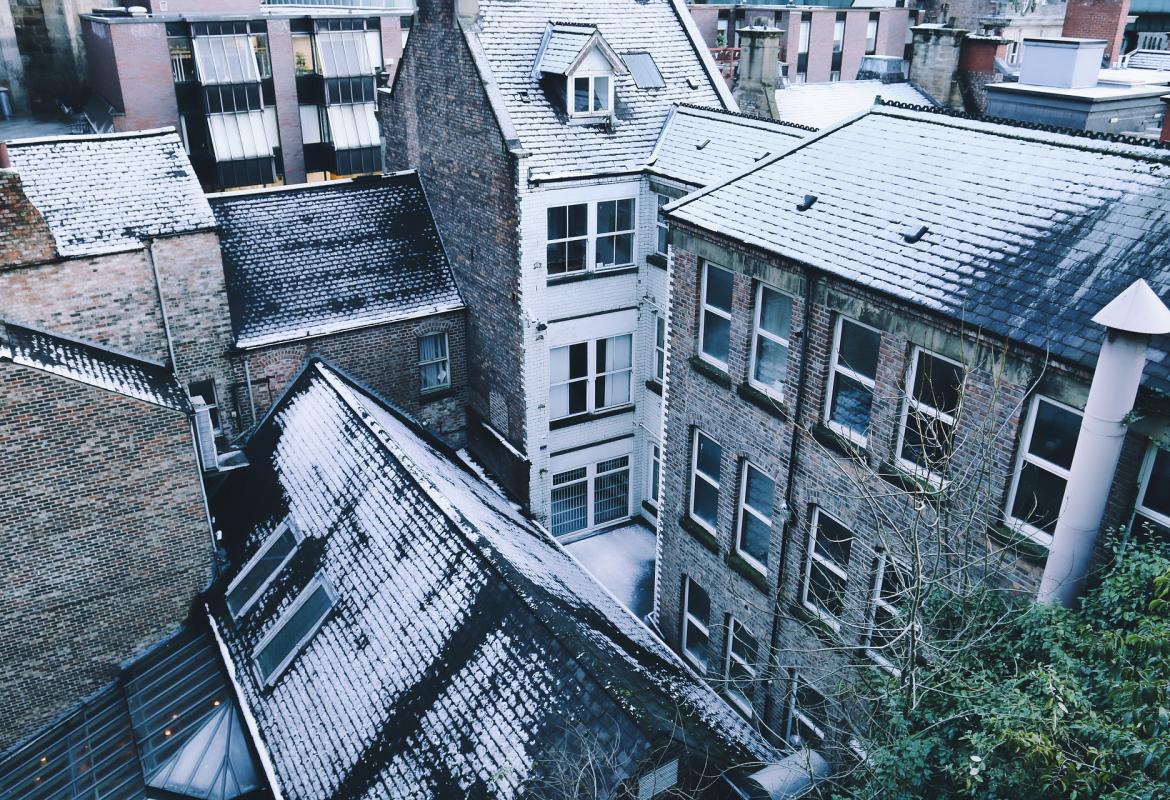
(744, 508)
(662, 227)
(794, 712)
(882, 563)
(212, 403)
(835, 367)
(822, 614)
(739, 700)
(911, 403)
(591, 236)
(586, 238)
(571, 97)
(704, 308)
(445, 359)
(689, 619)
(592, 473)
(654, 465)
(757, 331)
(1147, 471)
(286, 616)
(598, 235)
(1022, 527)
(591, 376)
(287, 524)
(659, 346)
(696, 475)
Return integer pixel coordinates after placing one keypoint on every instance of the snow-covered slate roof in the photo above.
(699, 145)
(169, 721)
(92, 364)
(321, 258)
(509, 33)
(1029, 233)
(1148, 59)
(105, 193)
(821, 105)
(463, 641)
(565, 45)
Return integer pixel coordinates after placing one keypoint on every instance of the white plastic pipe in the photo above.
(1111, 397)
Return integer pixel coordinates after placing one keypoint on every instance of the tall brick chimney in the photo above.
(1098, 19)
(755, 86)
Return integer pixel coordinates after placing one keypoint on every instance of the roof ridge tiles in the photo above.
(746, 116)
(90, 137)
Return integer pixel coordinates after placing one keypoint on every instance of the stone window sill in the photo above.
(764, 401)
(587, 275)
(1017, 542)
(838, 443)
(709, 370)
(826, 632)
(704, 536)
(655, 386)
(656, 260)
(742, 567)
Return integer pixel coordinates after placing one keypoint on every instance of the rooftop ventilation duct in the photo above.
(1062, 63)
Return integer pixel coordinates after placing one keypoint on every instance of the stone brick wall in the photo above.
(815, 469)
(44, 35)
(936, 61)
(1098, 19)
(438, 120)
(24, 235)
(385, 359)
(105, 538)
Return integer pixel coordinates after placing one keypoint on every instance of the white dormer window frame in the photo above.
(591, 79)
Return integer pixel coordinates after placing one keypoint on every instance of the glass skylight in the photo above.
(293, 630)
(273, 554)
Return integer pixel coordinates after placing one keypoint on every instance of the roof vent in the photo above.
(916, 234)
(764, 154)
(702, 144)
(807, 203)
(691, 82)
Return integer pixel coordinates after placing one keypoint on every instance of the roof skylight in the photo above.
(643, 70)
(257, 574)
(293, 630)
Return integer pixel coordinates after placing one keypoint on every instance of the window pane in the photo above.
(625, 214)
(775, 312)
(698, 603)
(257, 571)
(575, 255)
(623, 249)
(1156, 495)
(578, 219)
(432, 346)
(858, 348)
(1038, 497)
(1054, 434)
(435, 376)
(755, 538)
(706, 502)
(655, 472)
(558, 222)
(833, 541)
(292, 630)
(927, 440)
(938, 383)
(555, 255)
(826, 590)
(771, 363)
(601, 94)
(716, 336)
(611, 494)
(718, 292)
(607, 217)
(851, 404)
(581, 95)
(662, 240)
(697, 644)
(709, 456)
(759, 491)
(569, 511)
(604, 254)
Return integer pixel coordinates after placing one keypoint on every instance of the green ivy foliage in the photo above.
(1046, 703)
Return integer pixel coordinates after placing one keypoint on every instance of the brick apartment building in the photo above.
(818, 43)
(261, 95)
(353, 271)
(857, 355)
(106, 532)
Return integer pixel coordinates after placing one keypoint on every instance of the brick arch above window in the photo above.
(432, 326)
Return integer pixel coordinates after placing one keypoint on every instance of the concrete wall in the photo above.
(48, 35)
(438, 120)
(106, 541)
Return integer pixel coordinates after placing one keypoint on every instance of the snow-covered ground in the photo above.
(622, 559)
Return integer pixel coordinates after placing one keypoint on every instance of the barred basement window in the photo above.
(659, 781)
(293, 630)
(772, 327)
(1152, 513)
(434, 363)
(588, 496)
(275, 551)
(715, 315)
(755, 517)
(928, 417)
(614, 246)
(826, 569)
(568, 235)
(611, 490)
(1042, 468)
(696, 633)
(705, 469)
(849, 397)
(570, 502)
(739, 670)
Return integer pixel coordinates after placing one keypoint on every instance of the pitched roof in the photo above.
(1028, 233)
(107, 192)
(1148, 59)
(699, 145)
(92, 364)
(465, 644)
(321, 258)
(508, 35)
(565, 46)
(823, 104)
(169, 721)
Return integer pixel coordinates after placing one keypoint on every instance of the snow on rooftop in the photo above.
(823, 105)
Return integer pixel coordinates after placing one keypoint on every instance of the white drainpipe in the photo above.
(1130, 319)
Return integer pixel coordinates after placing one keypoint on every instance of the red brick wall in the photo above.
(1098, 19)
(24, 235)
(384, 358)
(105, 538)
(143, 64)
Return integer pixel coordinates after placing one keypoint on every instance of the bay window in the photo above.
(590, 376)
(1042, 468)
(772, 326)
(849, 397)
(715, 315)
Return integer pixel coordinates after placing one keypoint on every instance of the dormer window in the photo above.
(592, 94)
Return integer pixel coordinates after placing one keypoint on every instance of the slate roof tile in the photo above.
(510, 33)
(321, 258)
(996, 255)
(92, 364)
(465, 646)
(107, 192)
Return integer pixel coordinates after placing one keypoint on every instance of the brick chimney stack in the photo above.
(1098, 19)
